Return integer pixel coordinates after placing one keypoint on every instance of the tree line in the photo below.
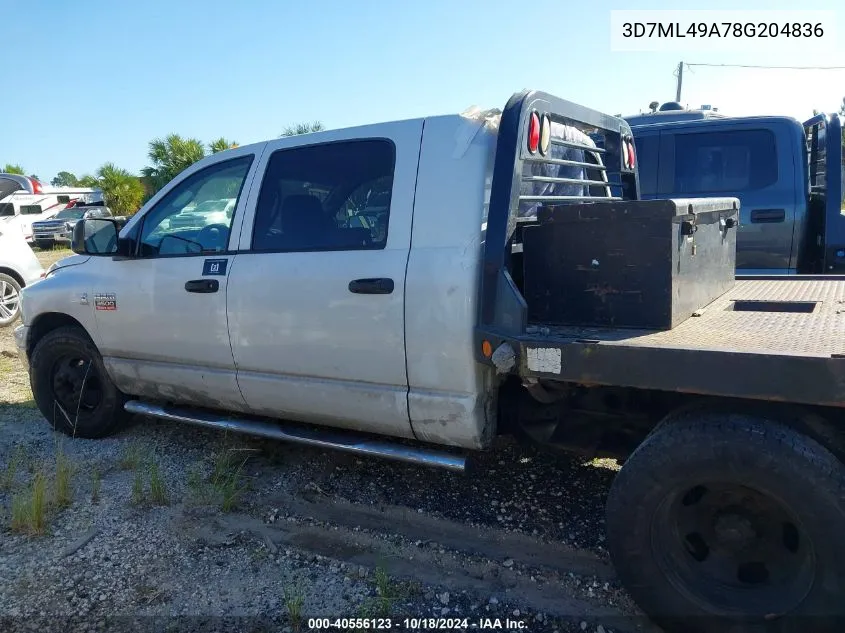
(125, 192)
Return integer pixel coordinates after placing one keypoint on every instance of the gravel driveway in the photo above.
(171, 527)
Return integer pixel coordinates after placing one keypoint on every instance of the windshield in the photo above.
(70, 214)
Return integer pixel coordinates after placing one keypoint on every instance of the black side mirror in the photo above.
(95, 236)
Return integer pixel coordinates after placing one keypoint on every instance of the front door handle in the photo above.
(768, 216)
(202, 285)
(377, 286)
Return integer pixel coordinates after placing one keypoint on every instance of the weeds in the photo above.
(96, 481)
(227, 480)
(63, 491)
(16, 460)
(132, 457)
(158, 491)
(225, 484)
(29, 509)
(138, 488)
(294, 599)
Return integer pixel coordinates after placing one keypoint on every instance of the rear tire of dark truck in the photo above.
(719, 521)
(71, 386)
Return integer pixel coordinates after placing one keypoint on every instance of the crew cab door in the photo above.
(753, 162)
(316, 300)
(161, 313)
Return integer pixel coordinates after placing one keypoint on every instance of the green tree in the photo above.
(13, 169)
(34, 177)
(170, 156)
(122, 191)
(221, 144)
(88, 180)
(303, 128)
(65, 179)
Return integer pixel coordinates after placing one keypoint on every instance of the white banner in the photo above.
(712, 30)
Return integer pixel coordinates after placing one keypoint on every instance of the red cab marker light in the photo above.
(533, 132)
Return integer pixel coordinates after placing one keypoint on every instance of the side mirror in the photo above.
(95, 236)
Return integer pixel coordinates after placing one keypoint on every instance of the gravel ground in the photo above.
(171, 527)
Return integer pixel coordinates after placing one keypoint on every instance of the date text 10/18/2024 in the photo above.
(417, 624)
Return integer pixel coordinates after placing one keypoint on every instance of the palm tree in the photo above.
(13, 169)
(170, 156)
(221, 144)
(303, 128)
(123, 191)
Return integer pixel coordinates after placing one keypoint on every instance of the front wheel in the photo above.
(718, 522)
(45, 245)
(71, 386)
(10, 299)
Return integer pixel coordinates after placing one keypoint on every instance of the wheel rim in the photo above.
(9, 300)
(734, 549)
(76, 385)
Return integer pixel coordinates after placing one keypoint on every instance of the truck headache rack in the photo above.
(549, 151)
(596, 287)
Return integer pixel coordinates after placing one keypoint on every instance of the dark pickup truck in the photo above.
(787, 175)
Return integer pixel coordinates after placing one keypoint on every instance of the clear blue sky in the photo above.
(92, 81)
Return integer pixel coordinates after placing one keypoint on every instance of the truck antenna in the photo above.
(680, 76)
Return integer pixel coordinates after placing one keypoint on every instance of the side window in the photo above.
(334, 196)
(196, 215)
(647, 149)
(725, 161)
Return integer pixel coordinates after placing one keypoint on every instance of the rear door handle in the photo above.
(764, 216)
(377, 286)
(202, 285)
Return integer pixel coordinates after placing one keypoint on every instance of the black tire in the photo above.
(45, 245)
(71, 386)
(10, 299)
(700, 495)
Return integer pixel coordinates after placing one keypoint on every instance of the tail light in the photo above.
(36, 186)
(534, 133)
(628, 158)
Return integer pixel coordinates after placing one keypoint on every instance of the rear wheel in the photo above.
(10, 299)
(71, 387)
(720, 520)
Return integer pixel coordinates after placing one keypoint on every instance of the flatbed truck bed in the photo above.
(769, 339)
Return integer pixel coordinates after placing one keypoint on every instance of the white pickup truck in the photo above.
(447, 279)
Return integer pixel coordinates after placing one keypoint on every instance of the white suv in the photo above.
(19, 267)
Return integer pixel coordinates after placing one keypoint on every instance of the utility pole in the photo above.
(680, 81)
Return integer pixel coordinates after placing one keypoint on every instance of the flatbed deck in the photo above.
(777, 339)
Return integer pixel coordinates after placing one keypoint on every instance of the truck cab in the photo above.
(787, 176)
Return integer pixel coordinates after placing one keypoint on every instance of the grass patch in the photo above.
(227, 479)
(158, 490)
(137, 497)
(226, 483)
(131, 457)
(16, 461)
(29, 508)
(294, 599)
(63, 491)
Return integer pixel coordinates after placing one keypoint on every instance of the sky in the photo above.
(92, 81)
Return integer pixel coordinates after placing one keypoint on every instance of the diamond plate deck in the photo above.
(820, 333)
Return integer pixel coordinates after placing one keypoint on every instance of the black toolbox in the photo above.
(638, 264)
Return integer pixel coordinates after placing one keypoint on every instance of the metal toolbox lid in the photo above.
(665, 209)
